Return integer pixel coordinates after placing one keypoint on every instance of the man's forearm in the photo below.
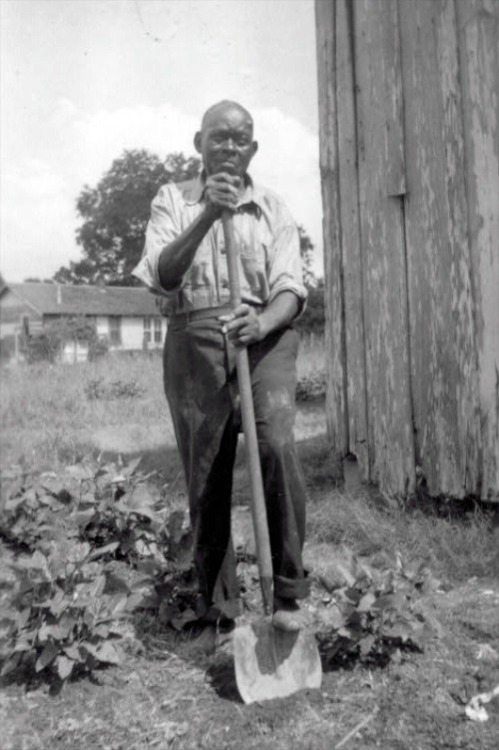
(281, 311)
(176, 257)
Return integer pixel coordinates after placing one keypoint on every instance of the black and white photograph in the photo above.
(249, 374)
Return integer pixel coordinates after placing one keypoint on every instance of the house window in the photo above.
(115, 330)
(157, 331)
(25, 324)
(147, 330)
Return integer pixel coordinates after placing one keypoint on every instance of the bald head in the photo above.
(226, 105)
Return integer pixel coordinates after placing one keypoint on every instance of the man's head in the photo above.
(225, 140)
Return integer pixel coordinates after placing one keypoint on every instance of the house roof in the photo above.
(65, 299)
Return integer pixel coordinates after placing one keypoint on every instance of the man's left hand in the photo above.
(242, 326)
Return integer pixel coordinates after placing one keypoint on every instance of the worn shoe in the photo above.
(287, 615)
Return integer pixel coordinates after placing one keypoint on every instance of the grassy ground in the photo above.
(174, 691)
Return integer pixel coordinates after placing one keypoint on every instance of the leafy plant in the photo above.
(375, 614)
(88, 547)
(58, 617)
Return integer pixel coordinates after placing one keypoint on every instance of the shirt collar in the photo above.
(194, 189)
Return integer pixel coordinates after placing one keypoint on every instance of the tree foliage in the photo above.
(313, 318)
(307, 259)
(115, 215)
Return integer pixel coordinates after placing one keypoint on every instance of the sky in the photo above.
(82, 80)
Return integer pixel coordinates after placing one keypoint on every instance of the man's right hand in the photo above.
(221, 191)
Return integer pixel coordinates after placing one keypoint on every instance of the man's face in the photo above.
(226, 142)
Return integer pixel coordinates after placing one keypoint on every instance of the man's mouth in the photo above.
(227, 165)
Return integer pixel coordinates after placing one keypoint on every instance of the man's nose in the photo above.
(229, 144)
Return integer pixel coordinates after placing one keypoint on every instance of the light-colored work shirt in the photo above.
(267, 236)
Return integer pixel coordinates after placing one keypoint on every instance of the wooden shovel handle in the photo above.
(258, 508)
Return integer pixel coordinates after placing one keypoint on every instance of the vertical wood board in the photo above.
(478, 23)
(381, 175)
(336, 401)
(350, 237)
(443, 358)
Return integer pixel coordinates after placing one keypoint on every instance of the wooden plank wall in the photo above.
(478, 27)
(409, 140)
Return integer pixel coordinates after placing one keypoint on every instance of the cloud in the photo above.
(38, 196)
(38, 220)
(105, 135)
(288, 162)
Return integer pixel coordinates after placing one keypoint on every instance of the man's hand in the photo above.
(242, 326)
(221, 191)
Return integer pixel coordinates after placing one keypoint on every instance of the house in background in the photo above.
(127, 317)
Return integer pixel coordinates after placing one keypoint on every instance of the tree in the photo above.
(307, 259)
(115, 215)
(313, 318)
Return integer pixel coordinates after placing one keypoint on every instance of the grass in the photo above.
(53, 414)
(170, 693)
(50, 413)
(454, 548)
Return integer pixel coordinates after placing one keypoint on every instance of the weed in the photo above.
(100, 389)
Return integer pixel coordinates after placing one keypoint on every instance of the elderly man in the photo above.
(184, 260)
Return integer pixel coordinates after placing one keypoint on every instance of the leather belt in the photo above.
(205, 313)
(189, 316)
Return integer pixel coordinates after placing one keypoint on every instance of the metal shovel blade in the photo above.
(272, 663)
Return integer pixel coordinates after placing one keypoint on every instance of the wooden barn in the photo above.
(409, 152)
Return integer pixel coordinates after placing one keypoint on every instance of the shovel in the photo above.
(269, 663)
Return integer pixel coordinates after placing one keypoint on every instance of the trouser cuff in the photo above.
(291, 588)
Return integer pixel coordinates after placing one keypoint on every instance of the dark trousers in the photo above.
(201, 387)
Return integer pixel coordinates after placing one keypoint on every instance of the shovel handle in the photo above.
(258, 508)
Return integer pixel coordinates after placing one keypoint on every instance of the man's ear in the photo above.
(197, 142)
(255, 147)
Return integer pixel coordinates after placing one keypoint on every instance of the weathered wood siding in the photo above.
(409, 144)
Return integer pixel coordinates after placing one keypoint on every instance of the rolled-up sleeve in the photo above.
(163, 227)
(285, 268)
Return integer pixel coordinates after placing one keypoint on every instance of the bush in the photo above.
(98, 347)
(48, 345)
(313, 319)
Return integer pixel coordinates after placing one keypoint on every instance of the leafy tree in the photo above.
(313, 318)
(115, 215)
(307, 257)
